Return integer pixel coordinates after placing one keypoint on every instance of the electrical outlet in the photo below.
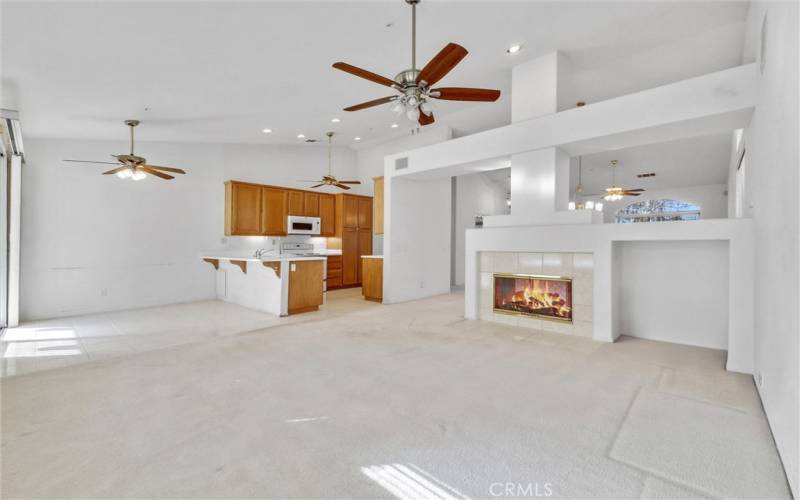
(422, 284)
(223, 241)
(104, 292)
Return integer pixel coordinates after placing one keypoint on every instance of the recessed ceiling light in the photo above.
(335, 120)
(394, 125)
(356, 138)
(301, 136)
(514, 48)
(267, 130)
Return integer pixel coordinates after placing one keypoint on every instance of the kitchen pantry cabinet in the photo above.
(354, 231)
(259, 210)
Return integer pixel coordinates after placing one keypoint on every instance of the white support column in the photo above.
(539, 179)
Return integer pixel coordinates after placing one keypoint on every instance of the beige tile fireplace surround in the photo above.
(577, 266)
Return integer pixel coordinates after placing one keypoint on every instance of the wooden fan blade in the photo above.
(339, 185)
(442, 63)
(115, 170)
(318, 185)
(467, 94)
(90, 161)
(167, 169)
(425, 119)
(154, 172)
(369, 104)
(368, 75)
(349, 182)
(628, 193)
(635, 190)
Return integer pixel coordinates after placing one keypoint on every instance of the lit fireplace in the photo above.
(547, 297)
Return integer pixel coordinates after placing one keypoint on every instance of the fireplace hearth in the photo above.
(547, 297)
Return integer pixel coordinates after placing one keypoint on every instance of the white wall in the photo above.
(369, 158)
(416, 260)
(711, 199)
(369, 161)
(674, 291)
(476, 194)
(95, 243)
(772, 179)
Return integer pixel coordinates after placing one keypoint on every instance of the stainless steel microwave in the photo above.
(303, 225)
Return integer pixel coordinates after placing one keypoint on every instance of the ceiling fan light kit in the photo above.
(415, 86)
(616, 193)
(132, 166)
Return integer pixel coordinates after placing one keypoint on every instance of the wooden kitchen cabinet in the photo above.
(305, 285)
(260, 210)
(243, 206)
(354, 234)
(377, 206)
(273, 211)
(310, 204)
(350, 257)
(349, 211)
(372, 287)
(296, 203)
(364, 248)
(327, 212)
(365, 213)
(334, 270)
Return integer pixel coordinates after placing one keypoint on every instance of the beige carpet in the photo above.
(405, 401)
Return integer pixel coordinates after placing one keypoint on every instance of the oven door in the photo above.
(303, 225)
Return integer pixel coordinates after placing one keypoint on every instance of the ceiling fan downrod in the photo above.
(131, 124)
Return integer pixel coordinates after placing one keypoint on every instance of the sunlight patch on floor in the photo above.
(409, 482)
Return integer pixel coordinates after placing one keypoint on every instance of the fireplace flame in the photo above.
(533, 295)
(536, 299)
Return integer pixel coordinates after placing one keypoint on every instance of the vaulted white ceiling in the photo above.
(223, 71)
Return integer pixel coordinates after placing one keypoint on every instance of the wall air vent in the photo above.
(642, 176)
(312, 140)
(401, 163)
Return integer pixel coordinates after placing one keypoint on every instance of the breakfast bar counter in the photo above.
(276, 284)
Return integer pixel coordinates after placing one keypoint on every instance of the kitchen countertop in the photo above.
(372, 256)
(250, 258)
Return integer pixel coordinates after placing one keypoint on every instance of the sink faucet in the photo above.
(260, 253)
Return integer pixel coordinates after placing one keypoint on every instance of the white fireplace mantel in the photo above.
(599, 240)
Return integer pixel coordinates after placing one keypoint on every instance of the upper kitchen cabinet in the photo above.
(377, 206)
(254, 210)
(296, 203)
(273, 211)
(303, 203)
(259, 210)
(365, 213)
(327, 214)
(243, 205)
(310, 204)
